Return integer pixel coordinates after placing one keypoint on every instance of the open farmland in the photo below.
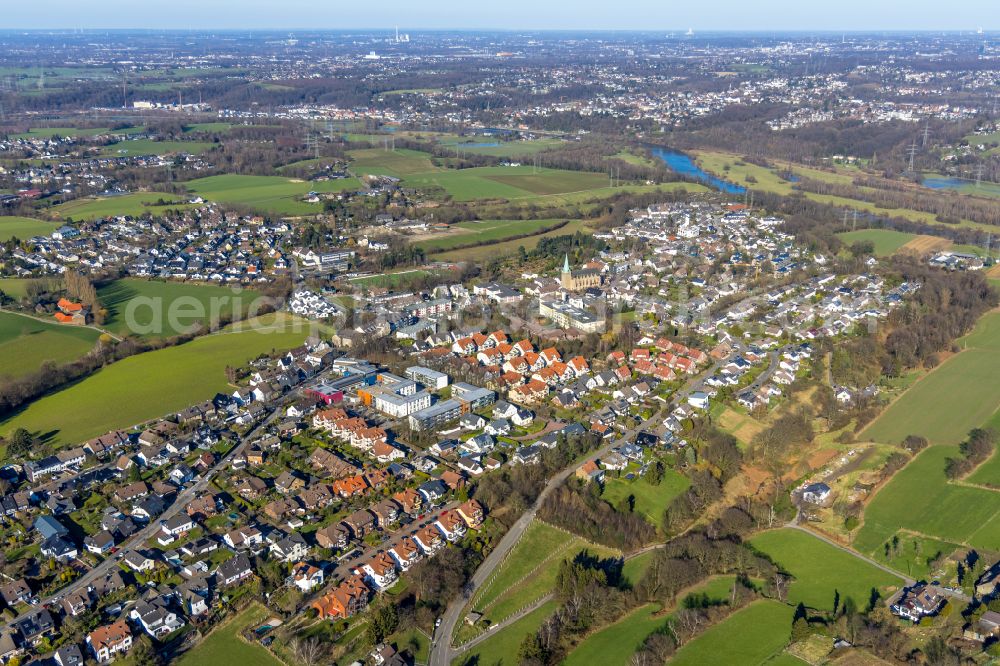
(500, 248)
(273, 194)
(465, 234)
(748, 637)
(822, 571)
(162, 309)
(920, 499)
(958, 395)
(886, 241)
(480, 145)
(395, 163)
(25, 343)
(146, 386)
(135, 204)
(140, 147)
(521, 182)
(14, 287)
(24, 228)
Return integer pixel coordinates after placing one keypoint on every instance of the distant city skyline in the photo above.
(729, 15)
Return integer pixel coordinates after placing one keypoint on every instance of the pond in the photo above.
(943, 182)
(686, 166)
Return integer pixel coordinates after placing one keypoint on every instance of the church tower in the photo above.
(567, 274)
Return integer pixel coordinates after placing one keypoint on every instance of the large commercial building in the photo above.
(436, 415)
(569, 316)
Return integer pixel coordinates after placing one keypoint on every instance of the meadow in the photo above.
(530, 571)
(920, 499)
(500, 248)
(750, 636)
(140, 147)
(822, 571)
(25, 343)
(224, 647)
(485, 231)
(522, 182)
(146, 386)
(134, 204)
(174, 307)
(389, 280)
(396, 163)
(272, 194)
(484, 145)
(617, 642)
(14, 287)
(650, 501)
(886, 241)
(24, 227)
(500, 649)
(958, 395)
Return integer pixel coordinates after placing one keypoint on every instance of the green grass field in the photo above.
(208, 127)
(14, 287)
(539, 542)
(650, 500)
(821, 570)
(531, 570)
(396, 163)
(500, 248)
(147, 386)
(66, 132)
(486, 231)
(224, 647)
(389, 280)
(273, 194)
(163, 309)
(24, 227)
(616, 643)
(25, 343)
(960, 394)
(749, 637)
(468, 145)
(134, 204)
(513, 183)
(501, 648)
(140, 147)
(920, 499)
(887, 241)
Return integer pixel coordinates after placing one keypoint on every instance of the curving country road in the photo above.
(441, 651)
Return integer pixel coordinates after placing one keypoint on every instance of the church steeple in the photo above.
(566, 264)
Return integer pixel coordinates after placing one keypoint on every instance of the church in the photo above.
(579, 280)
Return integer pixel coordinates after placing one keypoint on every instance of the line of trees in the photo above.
(974, 451)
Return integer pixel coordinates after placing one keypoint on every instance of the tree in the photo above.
(144, 654)
(532, 651)
(20, 443)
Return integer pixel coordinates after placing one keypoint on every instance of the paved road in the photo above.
(441, 650)
(465, 647)
(180, 504)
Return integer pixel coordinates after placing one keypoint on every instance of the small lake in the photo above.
(686, 166)
(943, 182)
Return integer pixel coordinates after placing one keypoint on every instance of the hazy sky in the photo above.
(507, 14)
